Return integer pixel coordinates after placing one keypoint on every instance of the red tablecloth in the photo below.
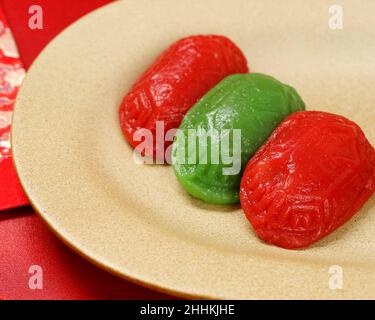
(57, 15)
(24, 239)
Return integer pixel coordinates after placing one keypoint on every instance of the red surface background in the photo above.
(11, 194)
(26, 241)
(24, 238)
(57, 15)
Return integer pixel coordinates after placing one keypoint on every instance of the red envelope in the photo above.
(11, 76)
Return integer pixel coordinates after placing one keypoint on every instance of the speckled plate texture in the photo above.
(135, 220)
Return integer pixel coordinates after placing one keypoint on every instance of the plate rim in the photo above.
(71, 244)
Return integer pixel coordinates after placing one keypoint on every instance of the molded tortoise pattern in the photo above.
(252, 103)
(180, 76)
(313, 174)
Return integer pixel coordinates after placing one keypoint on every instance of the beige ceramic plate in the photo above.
(136, 221)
